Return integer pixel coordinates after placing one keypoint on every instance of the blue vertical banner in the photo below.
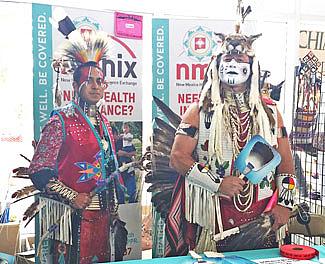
(42, 84)
(42, 69)
(160, 89)
(160, 63)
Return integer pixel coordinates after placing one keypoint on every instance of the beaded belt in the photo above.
(94, 204)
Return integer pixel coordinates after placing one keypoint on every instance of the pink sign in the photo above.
(128, 25)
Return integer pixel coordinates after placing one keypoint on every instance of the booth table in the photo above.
(248, 254)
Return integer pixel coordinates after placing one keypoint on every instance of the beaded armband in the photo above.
(203, 177)
(57, 187)
(286, 184)
(187, 130)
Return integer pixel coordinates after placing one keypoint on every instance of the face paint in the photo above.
(85, 71)
(85, 76)
(233, 71)
(92, 89)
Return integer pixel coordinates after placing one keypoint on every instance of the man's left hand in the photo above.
(281, 216)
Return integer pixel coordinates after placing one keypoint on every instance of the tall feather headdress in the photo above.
(77, 51)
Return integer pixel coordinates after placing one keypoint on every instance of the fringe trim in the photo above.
(215, 138)
(206, 242)
(202, 207)
(261, 124)
(281, 233)
(55, 220)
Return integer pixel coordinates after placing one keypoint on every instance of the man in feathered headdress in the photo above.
(75, 163)
(217, 128)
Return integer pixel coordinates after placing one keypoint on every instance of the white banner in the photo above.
(131, 214)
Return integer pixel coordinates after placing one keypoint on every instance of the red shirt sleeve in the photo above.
(47, 150)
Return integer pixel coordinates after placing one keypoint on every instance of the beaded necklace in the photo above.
(238, 121)
(93, 114)
(240, 130)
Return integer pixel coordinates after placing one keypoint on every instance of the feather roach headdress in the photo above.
(78, 51)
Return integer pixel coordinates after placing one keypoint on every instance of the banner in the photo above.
(123, 69)
(122, 100)
(181, 52)
(42, 66)
(312, 40)
(132, 212)
(160, 60)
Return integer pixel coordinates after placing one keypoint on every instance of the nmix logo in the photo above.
(86, 26)
(199, 43)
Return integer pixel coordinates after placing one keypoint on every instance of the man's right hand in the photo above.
(81, 201)
(231, 185)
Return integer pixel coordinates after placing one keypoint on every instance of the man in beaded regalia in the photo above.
(75, 166)
(212, 207)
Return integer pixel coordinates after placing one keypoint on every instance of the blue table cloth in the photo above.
(248, 254)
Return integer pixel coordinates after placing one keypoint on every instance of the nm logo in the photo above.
(86, 26)
(199, 43)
